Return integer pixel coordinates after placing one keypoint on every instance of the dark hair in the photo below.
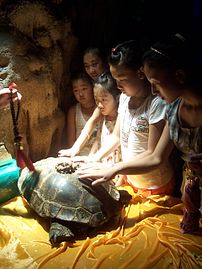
(176, 52)
(81, 75)
(171, 52)
(108, 83)
(96, 51)
(127, 54)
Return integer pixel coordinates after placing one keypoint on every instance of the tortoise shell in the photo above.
(55, 194)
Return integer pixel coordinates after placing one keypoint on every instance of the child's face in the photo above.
(93, 65)
(105, 101)
(83, 92)
(128, 80)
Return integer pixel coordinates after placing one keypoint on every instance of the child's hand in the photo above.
(65, 153)
(97, 174)
(83, 159)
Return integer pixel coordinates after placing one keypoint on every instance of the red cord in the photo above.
(22, 159)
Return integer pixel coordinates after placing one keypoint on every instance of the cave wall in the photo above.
(41, 44)
(32, 44)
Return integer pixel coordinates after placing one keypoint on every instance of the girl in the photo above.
(139, 124)
(94, 62)
(79, 113)
(174, 72)
(106, 96)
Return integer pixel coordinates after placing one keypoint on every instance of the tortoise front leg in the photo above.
(59, 233)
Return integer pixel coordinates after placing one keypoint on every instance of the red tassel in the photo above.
(23, 160)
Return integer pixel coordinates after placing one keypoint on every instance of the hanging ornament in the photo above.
(22, 159)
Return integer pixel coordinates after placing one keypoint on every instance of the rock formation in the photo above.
(33, 43)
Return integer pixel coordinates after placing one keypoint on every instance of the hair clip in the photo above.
(179, 36)
(103, 78)
(159, 52)
(122, 46)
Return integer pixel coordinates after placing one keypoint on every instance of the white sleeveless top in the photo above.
(80, 123)
(106, 129)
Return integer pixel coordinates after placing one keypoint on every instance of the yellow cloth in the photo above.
(150, 237)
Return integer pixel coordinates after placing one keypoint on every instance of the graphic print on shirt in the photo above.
(132, 126)
(142, 125)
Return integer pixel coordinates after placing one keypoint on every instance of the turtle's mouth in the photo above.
(66, 168)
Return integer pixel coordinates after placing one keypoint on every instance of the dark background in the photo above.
(108, 22)
(105, 23)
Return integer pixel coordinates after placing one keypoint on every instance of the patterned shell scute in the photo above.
(55, 195)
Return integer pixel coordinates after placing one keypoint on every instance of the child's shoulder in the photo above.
(157, 100)
(72, 109)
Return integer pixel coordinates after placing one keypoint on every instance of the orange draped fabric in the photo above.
(149, 237)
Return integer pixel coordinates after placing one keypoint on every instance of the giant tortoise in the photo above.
(73, 206)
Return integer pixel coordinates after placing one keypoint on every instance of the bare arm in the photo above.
(155, 132)
(87, 131)
(84, 136)
(136, 165)
(112, 142)
(150, 161)
(71, 126)
(94, 148)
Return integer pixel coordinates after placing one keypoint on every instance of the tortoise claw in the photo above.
(59, 233)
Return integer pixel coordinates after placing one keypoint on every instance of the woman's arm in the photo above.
(136, 165)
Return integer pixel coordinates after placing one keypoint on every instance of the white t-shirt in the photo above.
(134, 134)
